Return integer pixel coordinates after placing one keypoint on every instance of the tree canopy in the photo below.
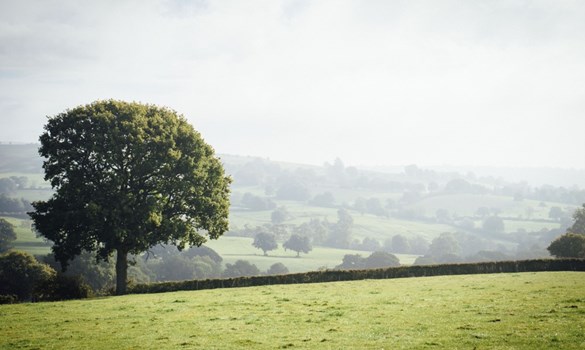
(298, 244)
(265, 241)
(128, 176)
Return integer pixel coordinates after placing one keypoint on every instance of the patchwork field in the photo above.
(504, 311)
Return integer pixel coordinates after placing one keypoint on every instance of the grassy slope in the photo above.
(520, 311)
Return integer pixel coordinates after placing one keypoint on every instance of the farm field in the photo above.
(504, 311)
(240, 248)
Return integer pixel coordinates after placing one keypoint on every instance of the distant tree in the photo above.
(579, 224)
(380, 260)
(445, 244)
(443, 215)
(374, 206)
(325, 199)
(340, 233)
(370, 244)
(418, 245)
(569, 245)
(128, 176)
(202, 251)
(493, 224)
(23, 276)
(457, 186)
(7, 235)
(299, 244)
(294, 191)
(265, 241)
(556, 213)
(359, 205)
(254, 202)
(400, 244)
(351, 262)
(279, 215)
(241, 268)
(206, 267)
(315, 229)
(277, 269)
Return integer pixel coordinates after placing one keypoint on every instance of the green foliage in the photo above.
(99, 275)
(63, 287)
(240, 268)
(265, 241)
(373, 261)
(7, 235)
(340, 233)
(579, 224)
(23, 276)
(279, 216)
(569, 245)
(445, 244)
(127, 177)
(299, 244)
(378, 260)
(277, 269)
(351, 262)
(254, 202)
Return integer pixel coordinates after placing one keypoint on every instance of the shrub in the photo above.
(23, 276)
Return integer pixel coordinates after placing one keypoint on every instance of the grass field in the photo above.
(504, 311)
(26, 239)
(236, 248)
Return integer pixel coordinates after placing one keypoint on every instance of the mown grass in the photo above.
(503, 311)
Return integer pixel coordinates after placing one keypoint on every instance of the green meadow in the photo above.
(542, 310)
(240, 248)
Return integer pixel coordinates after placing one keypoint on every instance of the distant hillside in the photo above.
(20, 158)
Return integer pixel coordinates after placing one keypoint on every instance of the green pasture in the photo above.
(365, 225)
(26, 239)
(240, 248)
(504, 311)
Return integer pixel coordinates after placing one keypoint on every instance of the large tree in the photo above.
(128, 176)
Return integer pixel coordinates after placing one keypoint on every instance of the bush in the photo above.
(23, 276)
(8, 299)
(569, 245)
(63, 287)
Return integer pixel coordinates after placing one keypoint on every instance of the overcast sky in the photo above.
(498, 83)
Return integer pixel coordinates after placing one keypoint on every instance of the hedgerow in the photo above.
(353, 275)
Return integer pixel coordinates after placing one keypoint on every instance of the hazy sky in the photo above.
(372, 82)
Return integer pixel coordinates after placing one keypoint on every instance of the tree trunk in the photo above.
(121, 272)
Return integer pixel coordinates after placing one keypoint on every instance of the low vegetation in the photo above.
(519, 311)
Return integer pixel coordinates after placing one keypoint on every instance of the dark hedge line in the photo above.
(352, 275)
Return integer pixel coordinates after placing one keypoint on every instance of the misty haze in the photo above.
(267, 174)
